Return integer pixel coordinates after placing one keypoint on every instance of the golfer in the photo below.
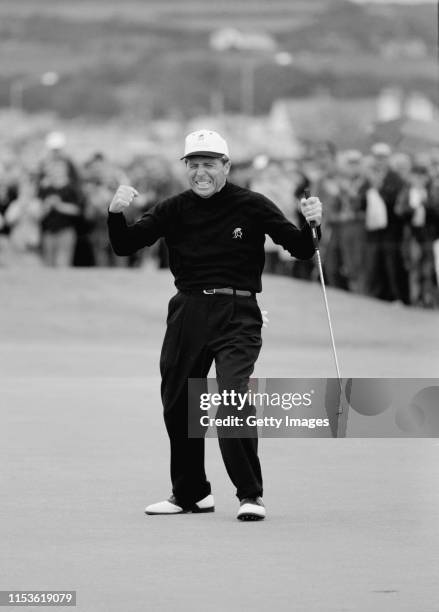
(215, 233)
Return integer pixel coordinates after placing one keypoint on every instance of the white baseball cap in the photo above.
(205, 143)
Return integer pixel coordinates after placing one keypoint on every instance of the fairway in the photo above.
(352, 524)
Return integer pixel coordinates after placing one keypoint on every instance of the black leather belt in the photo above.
(228, 291)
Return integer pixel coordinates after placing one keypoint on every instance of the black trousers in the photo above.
(386, 277)
(202, 328)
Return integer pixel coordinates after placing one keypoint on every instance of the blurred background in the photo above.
(337, 96)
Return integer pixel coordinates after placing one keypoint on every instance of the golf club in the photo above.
(306, 195)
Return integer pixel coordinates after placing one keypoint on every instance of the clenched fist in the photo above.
(122, 198)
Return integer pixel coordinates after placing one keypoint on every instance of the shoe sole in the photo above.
(190, 511)
(197, 510)
(247, 516)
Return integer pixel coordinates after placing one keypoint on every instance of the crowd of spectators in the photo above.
(380, 230)
(381, 213)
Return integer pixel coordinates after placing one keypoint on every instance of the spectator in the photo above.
(434, 199)
(62, 207)
(241, 173)
(23, 218)
(414, 206)
(276, 185)
(154, 180)
(55, 151)
(327, 187)
(101, 179)
(351, 221)
(386, 278)
(356, 189)
(401, 163)
(8, 193)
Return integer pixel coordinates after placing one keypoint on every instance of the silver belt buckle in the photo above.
(209, 291)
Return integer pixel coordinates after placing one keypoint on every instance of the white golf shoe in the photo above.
(251, 509)
(170, 506)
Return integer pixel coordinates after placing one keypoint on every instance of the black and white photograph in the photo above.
(219, 305)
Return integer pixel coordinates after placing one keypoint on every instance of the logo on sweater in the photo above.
(237, 232)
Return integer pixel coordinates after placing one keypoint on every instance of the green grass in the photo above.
(83, 450)
(63, 316)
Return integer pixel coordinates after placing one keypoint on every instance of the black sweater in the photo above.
(216, 241)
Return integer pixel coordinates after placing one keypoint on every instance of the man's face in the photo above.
(325, 160)
(381, 163)
(353, 169)
(206, 175)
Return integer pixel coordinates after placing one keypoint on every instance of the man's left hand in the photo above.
(311, 209)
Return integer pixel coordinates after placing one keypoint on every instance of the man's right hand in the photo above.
(122, 198)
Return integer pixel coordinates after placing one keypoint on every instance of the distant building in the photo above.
(414, 48)
(393, 103)
(417, 106)
(225, 39)
(389, 104)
